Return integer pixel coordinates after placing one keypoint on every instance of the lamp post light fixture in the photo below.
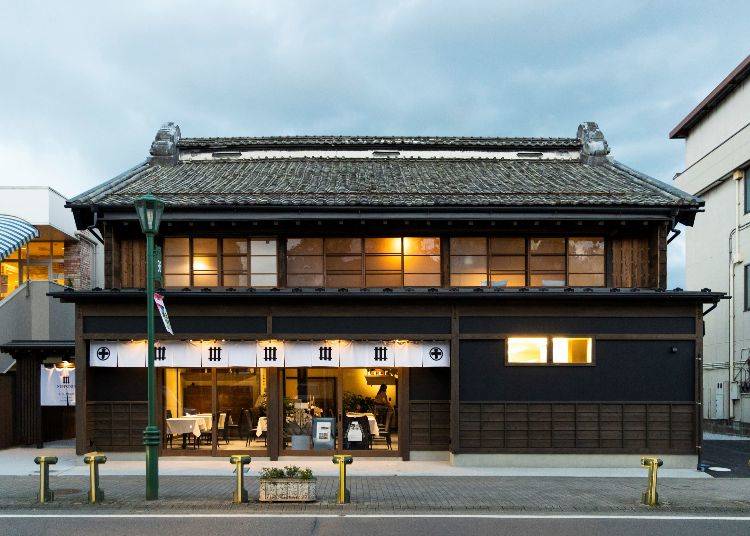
(150, 209)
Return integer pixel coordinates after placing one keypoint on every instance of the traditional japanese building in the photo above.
(484, 300)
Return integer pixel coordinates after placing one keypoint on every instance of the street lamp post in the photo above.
(149, 209)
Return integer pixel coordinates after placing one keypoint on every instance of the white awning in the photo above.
(14, 233)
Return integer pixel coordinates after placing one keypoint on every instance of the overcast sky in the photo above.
(85, 86)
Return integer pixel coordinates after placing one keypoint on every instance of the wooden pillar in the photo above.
(28, 403)
(454, 443)
(82, 367)
(274, 410)
(404, 430)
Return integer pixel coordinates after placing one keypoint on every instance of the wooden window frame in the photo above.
(528, 255)
(549, 362)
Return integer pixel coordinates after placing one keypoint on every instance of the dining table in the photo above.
(190, 424)
(262, 426)
(374, 430)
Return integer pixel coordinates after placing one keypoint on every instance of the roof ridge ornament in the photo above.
(594, 146)
(164, 148)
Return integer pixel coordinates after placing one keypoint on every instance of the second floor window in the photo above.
(211, 262)
(518, 262)
(363, 262)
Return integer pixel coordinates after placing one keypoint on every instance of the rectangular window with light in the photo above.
(549, 351)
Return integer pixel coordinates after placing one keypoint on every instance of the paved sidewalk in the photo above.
(390, 494)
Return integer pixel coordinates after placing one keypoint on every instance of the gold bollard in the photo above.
(93, 459)
(343, 460)
(45, 494)
(650, 496)
(240, 493)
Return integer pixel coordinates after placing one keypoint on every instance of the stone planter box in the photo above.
(288, 490)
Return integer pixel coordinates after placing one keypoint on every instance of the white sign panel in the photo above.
(131, 354)
(436, 354)
(408, 354)
(367, 354)
(270, 354)
(57, 386)
(240, 353)
(103, 353)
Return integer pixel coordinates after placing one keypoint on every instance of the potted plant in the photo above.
(290, 484)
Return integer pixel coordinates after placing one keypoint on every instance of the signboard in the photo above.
(57, 386)
(324, 436)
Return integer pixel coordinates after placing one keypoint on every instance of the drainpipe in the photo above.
(735, 259)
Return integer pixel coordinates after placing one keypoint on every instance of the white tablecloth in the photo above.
(370, 419)
(185, 425)
(262, 426)
(207, 420)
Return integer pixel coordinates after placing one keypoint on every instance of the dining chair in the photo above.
(168, 436)
(251, 430)
(230, 427)
(221, 427)
(384, 431)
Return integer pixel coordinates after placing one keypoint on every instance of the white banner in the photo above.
(408, 354)
(325, 353)
(57, 386)
(240, 353)
(165, 351)
(103, 353)
(366, 354)
(131, 354)
(190, 356)
(270, 354)
(436, 354)
(213, 354)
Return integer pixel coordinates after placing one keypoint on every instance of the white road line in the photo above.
(655, 517)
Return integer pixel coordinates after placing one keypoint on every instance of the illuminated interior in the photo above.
(527, 350)
(571, 350)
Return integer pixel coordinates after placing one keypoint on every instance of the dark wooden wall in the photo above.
(133, 263)
(28, 408)
(7, 410)
(116, 425)
(429, 424)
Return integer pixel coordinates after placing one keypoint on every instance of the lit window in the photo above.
(527, 350)
(574, 351)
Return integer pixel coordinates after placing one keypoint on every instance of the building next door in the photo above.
(328, 410)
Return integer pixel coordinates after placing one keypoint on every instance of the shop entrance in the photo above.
(329, 410)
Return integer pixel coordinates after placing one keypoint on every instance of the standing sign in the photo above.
(57, 386)
(159, 301)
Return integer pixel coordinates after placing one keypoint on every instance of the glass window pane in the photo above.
(262, 246)
(468, 264)
(204, 264)
(171, 280)
(176, 246)
(343, 245)
(547, 245)
(383, 262)
(37, 272)
(547, 263)
(263, 265)
(586, 264)
(205, 246)
(586, 280)
(205, 280)
(528, 350)
(422, 280)
(468, 280)
(13, 255)
(58, 270)
(350, 263)
(342, 280)
(508, 246)
(508, 280)
(571, 350)
(234, 246)
(235, 280)
(234, 264)
(39, 250)
(263, 280)
(586, 246)
(9, 277)
(303, 264)
(421, 246)
(508, 263)
(58, 249)
(305, 246)
(383, 280)
(177, 265)
(468, 246)
(547, 280)
(422, 264)
(304, 280)
(383, 245)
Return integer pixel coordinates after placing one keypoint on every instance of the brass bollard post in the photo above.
(343, 460)
(94, 459)
(45, 494)
(650, 496)
(240, 493)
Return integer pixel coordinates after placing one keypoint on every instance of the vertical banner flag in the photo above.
(57, 386)
(159, 300)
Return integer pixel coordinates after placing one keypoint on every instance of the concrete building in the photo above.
(717, 156)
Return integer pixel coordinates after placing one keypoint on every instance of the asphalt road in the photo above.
(730, 454)
(349, 525)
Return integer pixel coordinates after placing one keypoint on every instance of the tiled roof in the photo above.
(396, 182)
(380, 142)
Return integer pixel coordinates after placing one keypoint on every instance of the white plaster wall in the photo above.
(39, 206)
(728, 118)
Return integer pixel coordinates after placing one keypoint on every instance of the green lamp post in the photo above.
(150, 209)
